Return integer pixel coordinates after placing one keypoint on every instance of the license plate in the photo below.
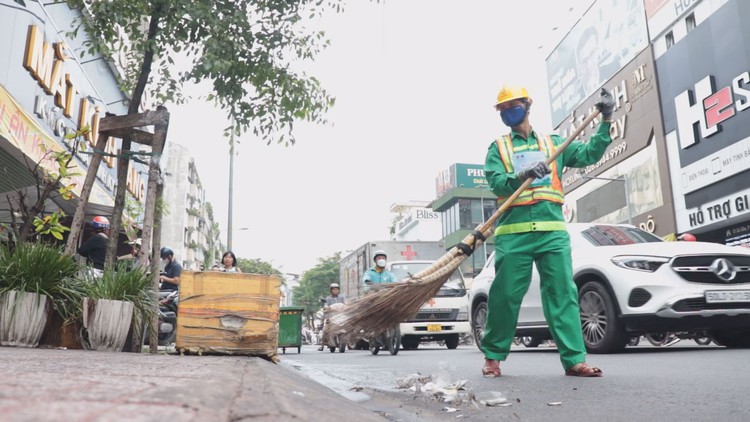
(434, 327)
(728, 296)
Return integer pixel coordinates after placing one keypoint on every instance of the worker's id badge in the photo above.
(524, 160)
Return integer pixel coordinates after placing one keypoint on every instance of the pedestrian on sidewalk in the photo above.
(229, 263)
(532, 231)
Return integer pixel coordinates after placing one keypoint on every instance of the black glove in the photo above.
(606, 104)
(535, 171)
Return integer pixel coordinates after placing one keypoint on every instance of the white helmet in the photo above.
(334, 285)
(378, 253)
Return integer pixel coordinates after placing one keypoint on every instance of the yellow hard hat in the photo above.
(510, 92)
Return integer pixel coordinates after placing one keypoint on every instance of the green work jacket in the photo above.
(502, 183)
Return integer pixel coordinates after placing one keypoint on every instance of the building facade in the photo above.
(188, 228)
(464, 202)
(48, 92)
(703, 62)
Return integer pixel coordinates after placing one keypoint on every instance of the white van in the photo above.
(445, 317)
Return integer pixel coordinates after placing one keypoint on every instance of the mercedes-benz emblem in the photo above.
(724, 269)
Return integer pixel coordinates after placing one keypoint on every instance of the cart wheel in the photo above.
(332, 349)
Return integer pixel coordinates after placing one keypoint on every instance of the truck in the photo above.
(442, 318)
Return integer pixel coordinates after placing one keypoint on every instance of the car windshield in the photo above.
(403, 269)
(604, 235)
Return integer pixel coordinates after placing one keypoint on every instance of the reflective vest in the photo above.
(532, 195)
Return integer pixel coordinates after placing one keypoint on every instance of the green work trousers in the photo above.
(514, 256)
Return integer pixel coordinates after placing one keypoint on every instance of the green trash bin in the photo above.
(290, 327)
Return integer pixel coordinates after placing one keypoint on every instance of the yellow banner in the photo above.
(25, 134)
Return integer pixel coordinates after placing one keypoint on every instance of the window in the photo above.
(669, 39)
(690, 22)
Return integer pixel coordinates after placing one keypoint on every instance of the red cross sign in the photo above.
(408, 253)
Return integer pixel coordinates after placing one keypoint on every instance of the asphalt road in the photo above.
(684, 382)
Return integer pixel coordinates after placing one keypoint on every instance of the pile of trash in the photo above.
(453, 394)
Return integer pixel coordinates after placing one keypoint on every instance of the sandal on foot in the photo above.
(491, 368)
(583, 370)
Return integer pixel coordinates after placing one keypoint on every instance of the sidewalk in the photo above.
(78, 385)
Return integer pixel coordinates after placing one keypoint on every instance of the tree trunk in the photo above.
(88, 184)
(151, 216)
(123, 162)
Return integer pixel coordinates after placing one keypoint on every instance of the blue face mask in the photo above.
(513, 116)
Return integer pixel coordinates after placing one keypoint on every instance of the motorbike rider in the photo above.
(332, 299)
(95, 248)
(378, 274)
(170, 278)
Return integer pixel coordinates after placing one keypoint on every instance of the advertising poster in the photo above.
(606, 38)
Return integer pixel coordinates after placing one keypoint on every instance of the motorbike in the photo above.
(390, 340)
(333, 341)
(168, 302)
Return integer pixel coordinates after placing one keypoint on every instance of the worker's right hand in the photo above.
(606, 104)
(535, 171)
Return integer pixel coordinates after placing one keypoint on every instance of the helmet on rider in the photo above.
(687, 237)
(166, 252)
(100, 223)
(378, 253)
(334, 286)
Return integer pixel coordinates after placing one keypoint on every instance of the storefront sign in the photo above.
(706, 121)
(47, 64)
(636, 118)
(706, 109)
(418, 214)
(719, 210)
(460, 175)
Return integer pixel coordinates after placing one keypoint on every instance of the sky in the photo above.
(415, 83)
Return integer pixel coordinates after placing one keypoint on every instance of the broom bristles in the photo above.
(392, 303)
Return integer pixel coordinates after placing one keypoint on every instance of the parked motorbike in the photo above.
(168, 302)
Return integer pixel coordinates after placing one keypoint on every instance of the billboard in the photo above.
(704, 85)
(600, 192)
(608, 36)
(460, 175)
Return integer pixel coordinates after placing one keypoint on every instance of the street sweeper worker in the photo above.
(532, 230)
(378, 274)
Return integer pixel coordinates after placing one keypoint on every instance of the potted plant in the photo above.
(34, 279)
(111, 303)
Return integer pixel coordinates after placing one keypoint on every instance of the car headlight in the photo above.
(462, 316)
(640, 263)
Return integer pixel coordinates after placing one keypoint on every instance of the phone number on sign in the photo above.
(614, 152)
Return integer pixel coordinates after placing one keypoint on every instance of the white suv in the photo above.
(630, 283)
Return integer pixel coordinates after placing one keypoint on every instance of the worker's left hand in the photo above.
(606, 104)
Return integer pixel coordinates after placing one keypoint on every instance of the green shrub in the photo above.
(42, 269)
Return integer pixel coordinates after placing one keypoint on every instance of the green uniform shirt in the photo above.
(502, 183)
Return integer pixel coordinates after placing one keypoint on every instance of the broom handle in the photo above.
(488, 225)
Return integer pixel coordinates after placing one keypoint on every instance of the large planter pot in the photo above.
(105, 324)
(23, 316)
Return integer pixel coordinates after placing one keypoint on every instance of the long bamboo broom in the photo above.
(392, 303)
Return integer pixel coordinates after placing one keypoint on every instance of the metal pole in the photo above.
(231, 189)
(627, 198)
